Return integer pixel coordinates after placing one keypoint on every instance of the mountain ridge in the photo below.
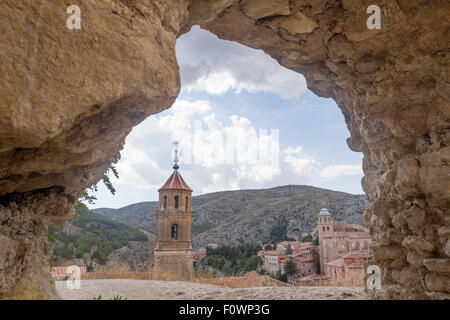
(254, 216)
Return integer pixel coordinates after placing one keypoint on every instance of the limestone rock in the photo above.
(407, 176)
(437, 282)
(414, 217)
(298, 24)
(447, 248)
(415, 259)
(437, 265)
(417, 243)
(398, 221)
(257, 9)
(369, 63)
(406, 276)
(204, 11)
(318, 6)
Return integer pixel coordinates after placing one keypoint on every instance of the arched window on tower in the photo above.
(328, 228)
(187, 203)
(174, 232)
(176, 202)
(164, 202)
(323, 228)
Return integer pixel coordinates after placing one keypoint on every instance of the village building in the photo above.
(343, 249)
(199, 254)
(301, 254)
(173, 250)
(273, 261)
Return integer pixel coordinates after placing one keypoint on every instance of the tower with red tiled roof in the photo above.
(173, 250)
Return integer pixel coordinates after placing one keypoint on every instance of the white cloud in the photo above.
(293, 150)
(217, 66)
(128, 168)
(215, 155)
(302, 164)
(334, 171)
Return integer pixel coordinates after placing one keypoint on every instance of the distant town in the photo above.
(335, 255)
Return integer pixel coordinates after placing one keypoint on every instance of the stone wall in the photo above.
(69, 98)
(174, 265)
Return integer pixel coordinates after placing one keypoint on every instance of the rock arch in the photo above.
(70, 97)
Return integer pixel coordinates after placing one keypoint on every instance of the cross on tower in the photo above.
(175, 159)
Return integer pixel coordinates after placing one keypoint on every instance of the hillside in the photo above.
(251, 216)
(97, 241)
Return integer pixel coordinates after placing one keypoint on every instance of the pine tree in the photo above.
(290, 268)
(289, 249)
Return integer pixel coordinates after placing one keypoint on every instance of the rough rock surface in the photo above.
(70, 97)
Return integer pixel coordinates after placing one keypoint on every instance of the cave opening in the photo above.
(391, 85)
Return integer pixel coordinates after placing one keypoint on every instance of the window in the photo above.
(165, 202)
(176, 202)
(328, 228)
(187, 203)
(174, 232)
(323, 228)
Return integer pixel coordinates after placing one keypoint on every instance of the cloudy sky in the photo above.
(243, 121)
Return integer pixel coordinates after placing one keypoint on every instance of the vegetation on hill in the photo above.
(98, 236)
(233, 261)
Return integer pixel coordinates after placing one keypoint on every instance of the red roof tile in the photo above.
(175, 182)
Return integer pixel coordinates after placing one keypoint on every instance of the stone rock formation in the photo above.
(70, 97)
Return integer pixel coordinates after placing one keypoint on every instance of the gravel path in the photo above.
(172, 290)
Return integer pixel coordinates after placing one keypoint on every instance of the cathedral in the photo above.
(173, 250)
(343, 247)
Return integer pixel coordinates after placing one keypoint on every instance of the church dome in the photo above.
(324, 212)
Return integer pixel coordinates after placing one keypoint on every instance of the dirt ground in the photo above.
(173, 290)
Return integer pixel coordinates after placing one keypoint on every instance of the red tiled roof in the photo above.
(175, 182)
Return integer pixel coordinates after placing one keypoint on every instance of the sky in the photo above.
(243, 122)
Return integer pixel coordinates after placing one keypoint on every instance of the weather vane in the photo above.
(175, 159)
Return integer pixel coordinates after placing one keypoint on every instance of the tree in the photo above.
(316, 241)
(290, 268)
(279, 276)
(87, 198)
(268, 247)
(289, 249)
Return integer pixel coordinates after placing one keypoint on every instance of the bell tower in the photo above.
(324, 223)
(173, 250)
(324, 228)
